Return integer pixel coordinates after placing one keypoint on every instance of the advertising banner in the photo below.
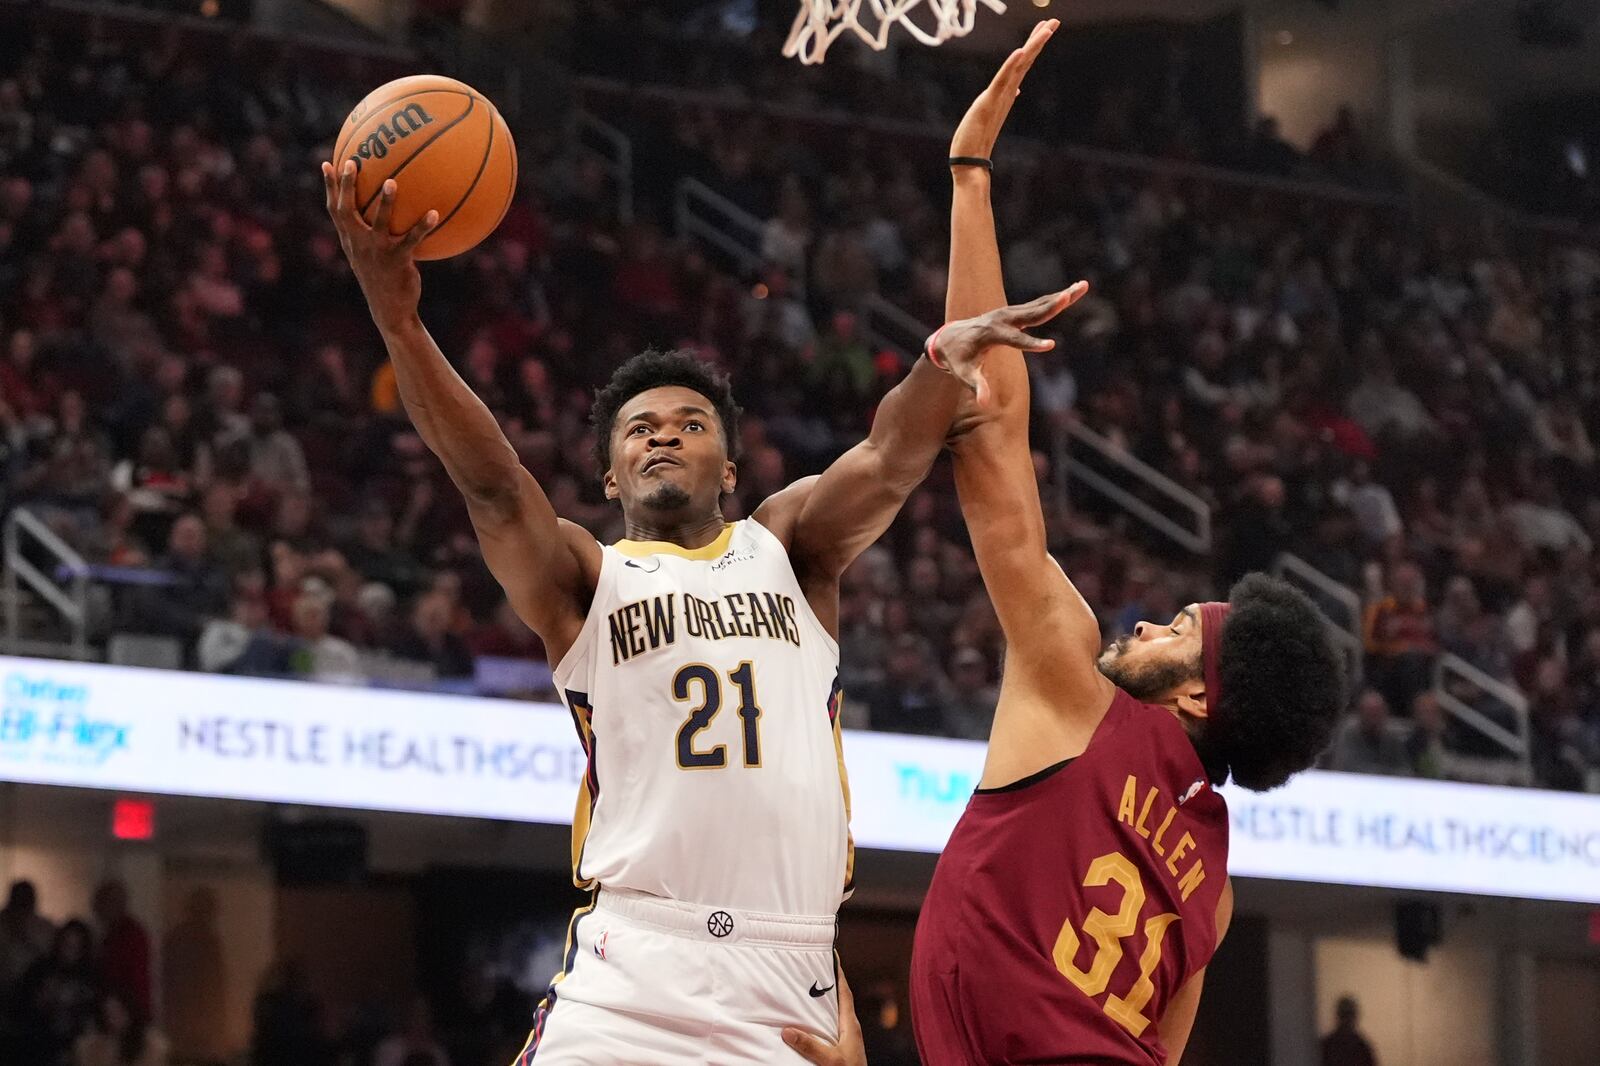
(92, 726)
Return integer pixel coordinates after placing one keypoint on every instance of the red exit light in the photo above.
(133, 819)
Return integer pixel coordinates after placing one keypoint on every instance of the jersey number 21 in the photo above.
(699, 684)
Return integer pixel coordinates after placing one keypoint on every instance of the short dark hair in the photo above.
(655, 368)
(1283, 687)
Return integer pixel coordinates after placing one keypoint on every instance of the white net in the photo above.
(820, 22)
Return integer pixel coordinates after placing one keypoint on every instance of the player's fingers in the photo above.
(426, 225)
(1045, 307)
(330, 196)
(380, 221)
(810, 1048)
(1026, 342)
(1034, 311)
(347, 190)
(1021, 61)
(1006, 78)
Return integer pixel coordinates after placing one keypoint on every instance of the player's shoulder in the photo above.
(584, 547)
(779, 513)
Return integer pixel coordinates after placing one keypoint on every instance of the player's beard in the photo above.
(667, 497)
(1148, 680)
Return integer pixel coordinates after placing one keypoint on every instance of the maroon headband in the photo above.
(1212, 617)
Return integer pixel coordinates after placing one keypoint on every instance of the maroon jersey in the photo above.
(1070, 907)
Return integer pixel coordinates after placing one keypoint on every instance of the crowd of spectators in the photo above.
(81, 994)
(191, 392)
(1168, 89)
(78, 994)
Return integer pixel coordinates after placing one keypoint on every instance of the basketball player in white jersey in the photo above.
(699, 660)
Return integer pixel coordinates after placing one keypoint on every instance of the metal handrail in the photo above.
(1197, 540)
(1348, 635)
(889, 326)
(692, 193)
(73, 606)
(619, 161)
(1518, 743)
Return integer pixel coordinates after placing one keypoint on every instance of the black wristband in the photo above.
(972, 161)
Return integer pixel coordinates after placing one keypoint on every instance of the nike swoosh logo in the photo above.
(655, 565)
(818, 993)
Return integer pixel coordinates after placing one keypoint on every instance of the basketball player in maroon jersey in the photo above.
(1085, 888)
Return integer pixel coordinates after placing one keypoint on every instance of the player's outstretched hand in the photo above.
(959, 347)
(981, 125)
(382, 262)
(851, 1050)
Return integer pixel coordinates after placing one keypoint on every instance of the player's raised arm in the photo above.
(1052, 636)
(546, 566)
(830, 520)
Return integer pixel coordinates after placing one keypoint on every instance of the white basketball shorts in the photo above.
(655, 982)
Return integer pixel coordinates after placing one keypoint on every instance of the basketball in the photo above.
(448, 150)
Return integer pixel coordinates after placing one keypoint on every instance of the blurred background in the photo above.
(1345, 327)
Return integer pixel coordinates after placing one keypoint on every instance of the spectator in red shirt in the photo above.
(1401, 643)
(124, 949)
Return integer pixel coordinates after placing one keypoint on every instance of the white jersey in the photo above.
(706, 694)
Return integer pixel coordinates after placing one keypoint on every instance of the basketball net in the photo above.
(820, 22)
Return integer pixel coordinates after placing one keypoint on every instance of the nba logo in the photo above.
(1193, 791)
(600, 943)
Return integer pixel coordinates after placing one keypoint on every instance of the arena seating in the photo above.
(193, 400)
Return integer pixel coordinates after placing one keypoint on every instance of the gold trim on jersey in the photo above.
(583, 809)
(643, 549)
(844, 786)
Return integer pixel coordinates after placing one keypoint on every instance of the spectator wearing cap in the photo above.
(1369, 742)
(970, 700)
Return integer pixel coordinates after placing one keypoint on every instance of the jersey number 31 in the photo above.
(1108, 931)
(699, 683)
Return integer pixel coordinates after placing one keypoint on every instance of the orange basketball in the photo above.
(447, 149)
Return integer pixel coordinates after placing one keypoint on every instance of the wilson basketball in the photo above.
(448, 150)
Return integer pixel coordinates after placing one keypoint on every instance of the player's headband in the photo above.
(1212, 617)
